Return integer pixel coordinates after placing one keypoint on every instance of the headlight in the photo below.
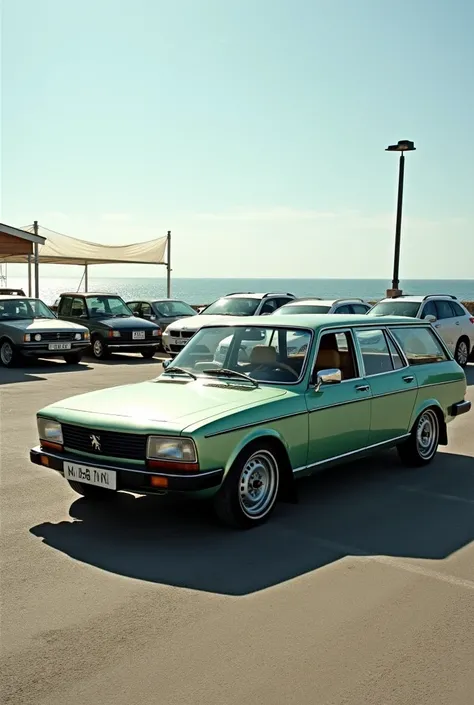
(156, 332)
(37, 337)
(49, 430)
(78, 336)
(181, 450)
(114, 334)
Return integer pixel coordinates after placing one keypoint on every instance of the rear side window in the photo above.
(420, 345)
(345, 308)
(375, 351)
(360, 308)
(444, 309)
(458, 311)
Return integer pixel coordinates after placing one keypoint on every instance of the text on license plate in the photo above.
(179, 341)
(91, 476)
(138, 335)
(59, 346)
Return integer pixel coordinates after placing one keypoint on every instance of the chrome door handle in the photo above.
(457, 323)
(362, 388)
(408, 378)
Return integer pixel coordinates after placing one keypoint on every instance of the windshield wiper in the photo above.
(179, 371)
(224, 372)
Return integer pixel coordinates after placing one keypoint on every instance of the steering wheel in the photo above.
(279, 366)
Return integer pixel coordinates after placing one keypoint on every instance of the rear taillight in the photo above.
(472, 320)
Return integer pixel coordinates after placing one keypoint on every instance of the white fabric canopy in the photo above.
(63, 249)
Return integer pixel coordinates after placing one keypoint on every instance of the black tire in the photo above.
(234, 504)
(9, 355)
(91, 491)
(461, 353)
(148, 354)
(73, 358)
(421, 447)
(99, 348)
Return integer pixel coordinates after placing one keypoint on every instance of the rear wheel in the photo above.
(461, 353)
(421, 447)
(91, 491)
(248, 495)
(148, 354)
(8, 354)
(73, 358)
(99, 348)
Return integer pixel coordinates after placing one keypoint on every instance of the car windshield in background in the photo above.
(171, 309)
(113, 306)
(18, 309)
(395, 308)
(263, 354)
(228, 306)
(303, 308)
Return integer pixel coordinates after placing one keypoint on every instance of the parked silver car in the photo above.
(28, 328)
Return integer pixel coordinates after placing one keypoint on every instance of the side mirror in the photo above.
(135, 313)
(330, 376)
(165, 363)
(430, 318)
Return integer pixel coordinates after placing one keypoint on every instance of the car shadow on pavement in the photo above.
(35, 371)
(368, 508)
(130, 359)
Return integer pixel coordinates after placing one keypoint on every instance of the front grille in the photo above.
(57, 336)
(126, 335)
(176, 348)
(117, 445)
(187, 334)
(175, 333)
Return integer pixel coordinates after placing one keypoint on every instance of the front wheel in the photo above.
(249, 492)
(461, 353)
(148, 354)
(99, 348)
(73, 358)
(420, 448)
(8, 354)
(91, 491)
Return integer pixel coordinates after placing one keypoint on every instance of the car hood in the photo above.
(159, 404)
(39, 325)
(196, 322)
(132, 322)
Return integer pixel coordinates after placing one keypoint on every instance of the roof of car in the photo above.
(9, 297)
(255, 295)
(89, 293)
(419, 299)
(325, 302)
(156, 301)
(314, 321)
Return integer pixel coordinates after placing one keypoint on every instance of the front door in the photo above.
(339, 414)
(393, 385)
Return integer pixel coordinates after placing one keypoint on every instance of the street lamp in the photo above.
(402, 146)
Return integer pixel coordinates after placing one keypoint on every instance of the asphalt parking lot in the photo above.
(362, 593)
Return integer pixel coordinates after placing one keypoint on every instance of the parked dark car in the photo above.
(112, 325)
(161, 311)
(29, 329)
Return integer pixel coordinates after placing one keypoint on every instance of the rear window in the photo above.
(398, 307)
(420, 345)
(304, 308)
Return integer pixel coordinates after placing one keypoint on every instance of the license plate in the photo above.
(179, 341)
(138, 335)
(91, 476)
(59, 346)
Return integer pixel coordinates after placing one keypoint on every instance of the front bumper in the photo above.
(462, 407)
(129, 477)
(42, 350)
(129, 346)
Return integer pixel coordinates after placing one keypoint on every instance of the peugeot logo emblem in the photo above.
(95, 441)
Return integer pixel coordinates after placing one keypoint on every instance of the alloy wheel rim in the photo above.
(6, 353)
(462, 353)
(258, 484)
(98, 347)
(427, 434)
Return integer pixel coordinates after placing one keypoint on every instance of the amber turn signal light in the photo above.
(156, 481)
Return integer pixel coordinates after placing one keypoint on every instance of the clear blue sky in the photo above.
(253, 129)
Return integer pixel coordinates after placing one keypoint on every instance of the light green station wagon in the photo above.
(291, 397)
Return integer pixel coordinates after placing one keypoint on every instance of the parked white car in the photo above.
(177, 334)
(452, 320)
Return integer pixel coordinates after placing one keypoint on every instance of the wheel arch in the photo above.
(432, 404)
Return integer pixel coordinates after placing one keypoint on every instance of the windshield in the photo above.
(169, 309)
(110, 306)
(395, 308)
(18, 309)
(228, 306)
(262, 354)
(303, 308)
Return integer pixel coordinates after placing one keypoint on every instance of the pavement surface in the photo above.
(361, 594)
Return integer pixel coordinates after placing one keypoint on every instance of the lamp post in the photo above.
(402, 146)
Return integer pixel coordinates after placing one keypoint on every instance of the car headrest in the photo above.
(328, 359)
(263, 355)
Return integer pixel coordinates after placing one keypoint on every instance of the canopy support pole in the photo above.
(168, 266)
(36, 260)
(29, 275)
(86, 278)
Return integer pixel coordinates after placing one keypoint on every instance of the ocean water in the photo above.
(204, 291)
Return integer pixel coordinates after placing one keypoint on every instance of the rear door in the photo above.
(393, 385)
(446, 323)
